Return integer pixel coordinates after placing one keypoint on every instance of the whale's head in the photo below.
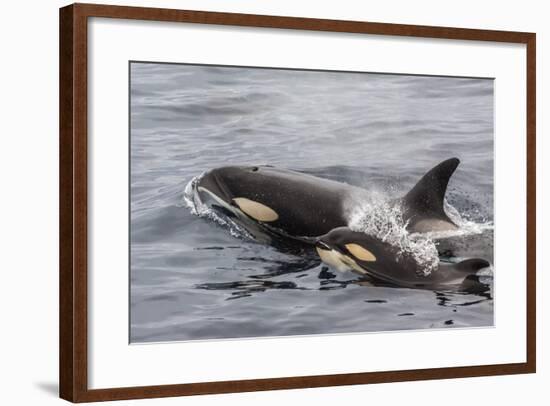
(225, 181)
(237, 190)
(345, 249)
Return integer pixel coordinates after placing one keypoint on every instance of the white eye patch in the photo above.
(257, 211)
(360, 253)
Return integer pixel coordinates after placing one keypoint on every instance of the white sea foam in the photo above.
(188, 199)
(191, 200)
(465, 225)
(383, 219)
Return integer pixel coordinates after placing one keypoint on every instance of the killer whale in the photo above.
(344, 249)
(304, 207)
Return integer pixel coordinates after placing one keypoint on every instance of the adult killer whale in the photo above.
(305, 207)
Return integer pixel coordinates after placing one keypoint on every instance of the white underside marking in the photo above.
(431, 225)
(338, 261)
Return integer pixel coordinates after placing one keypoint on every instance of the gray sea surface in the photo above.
(193, 278)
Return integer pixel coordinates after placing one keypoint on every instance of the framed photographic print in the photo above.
(256, 202)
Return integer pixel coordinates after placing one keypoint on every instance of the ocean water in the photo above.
(195, 278)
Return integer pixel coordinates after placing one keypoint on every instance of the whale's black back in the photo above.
(307, 206)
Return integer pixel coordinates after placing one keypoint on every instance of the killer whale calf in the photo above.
(315, 211)
(345, 249)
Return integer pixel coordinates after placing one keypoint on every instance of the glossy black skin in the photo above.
(307, 206)
(426, 199)
(401, 269)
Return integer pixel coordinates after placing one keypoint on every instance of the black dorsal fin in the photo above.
(428, 195)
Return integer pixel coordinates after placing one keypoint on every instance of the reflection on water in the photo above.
(477, 292)
(191, 278)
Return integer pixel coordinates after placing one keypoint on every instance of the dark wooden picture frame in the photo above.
(73, 278)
